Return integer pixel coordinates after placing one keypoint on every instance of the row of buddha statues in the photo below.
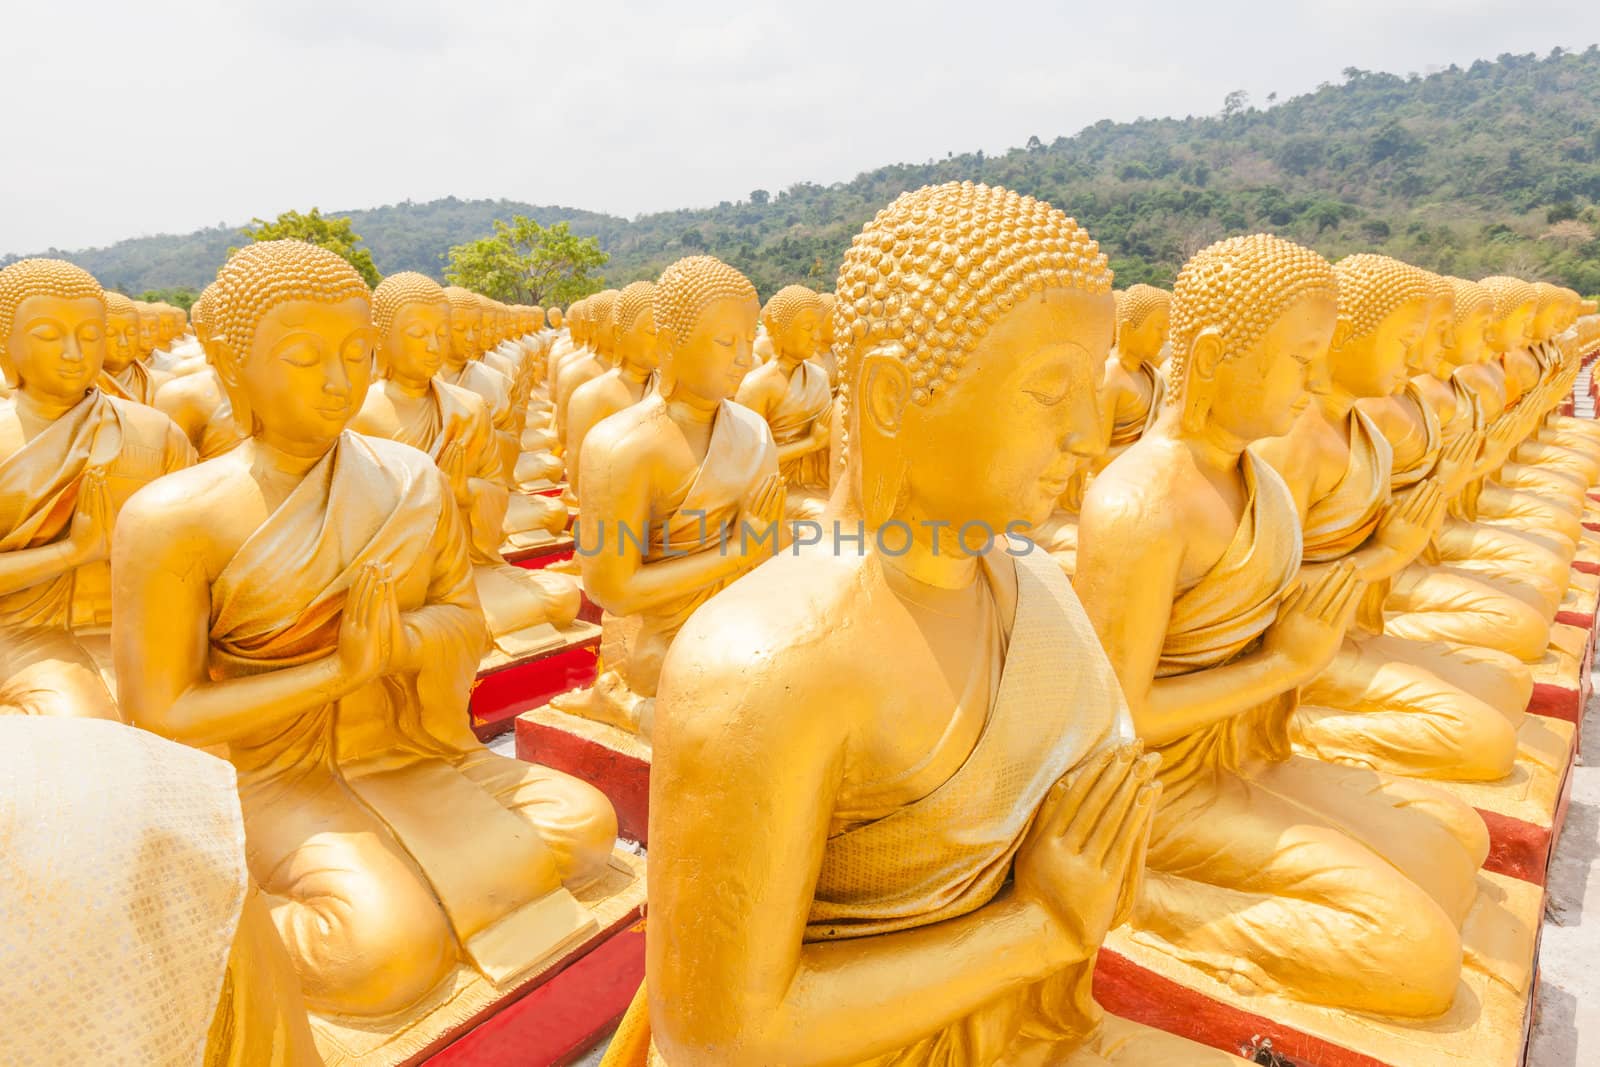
(1296, 532)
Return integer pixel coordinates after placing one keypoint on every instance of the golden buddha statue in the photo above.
(124, 373)
(556, 318)
(526, 516)
(569, 340)
(1273, 872)
(954, 846)
(1131, 392)
(681, 491)
(600, 330)
(1420, 708)
(826, 357)
(409, 404)
(627, 383)
(70, 457)
(793, 394)
(306, 600)
(197, 402)
(1554, 314)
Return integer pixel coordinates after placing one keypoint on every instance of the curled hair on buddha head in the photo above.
(1137, 303)
(633, 301)
(398, 290)
(602, 311)
(462, 299)
(41, 277)
(1509, 294)
(927, 278)
(1239, 287)
(258, 278)
(1371, 287)
(119, 304)
(689, 286)
(785, 305)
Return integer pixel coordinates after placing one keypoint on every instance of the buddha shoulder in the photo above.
(1143, 487)
(143, 425)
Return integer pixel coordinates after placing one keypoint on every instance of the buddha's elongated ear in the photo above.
(8, 368)
(1206, 352)
(227, 366)
(1343, 330)
(883, 390)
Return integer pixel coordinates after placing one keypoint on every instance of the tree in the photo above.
(180, 297)
(523, 262)
(1235, 103)
(759, 197)
(334, 234)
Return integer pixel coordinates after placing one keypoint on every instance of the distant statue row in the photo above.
(903, 787)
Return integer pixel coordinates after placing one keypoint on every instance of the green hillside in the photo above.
(1489, 168)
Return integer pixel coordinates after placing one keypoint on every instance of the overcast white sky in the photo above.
(132, 118)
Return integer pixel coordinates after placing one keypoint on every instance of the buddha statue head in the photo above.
(167, 323)
(149, 328)
(1514, 304)
(554, 317)
(466, 320)
(1252, 318)
(577, 323)
(122, 333)
(637, 336)
(1384, 306)
(825, 320)
(536, 318)
(291, 338)
(706, 314)
(973, 324)
(52, 330)
(602, 314)
(200, 314)
(1571, 304)
(1143, 318)
(1471, 312)
(1426, 356)
(1548, 308)
(411, 315)
(793, 320)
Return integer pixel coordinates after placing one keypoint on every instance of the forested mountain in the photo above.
(1492, 167)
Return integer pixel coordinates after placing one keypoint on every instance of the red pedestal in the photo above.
(502, 695)
(561, 1019)
(1124, 988)
(541, 561)
(623, 778)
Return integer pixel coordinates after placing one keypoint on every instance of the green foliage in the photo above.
(1478, 170)
(183, 297)
(330, 232)
(526, 263)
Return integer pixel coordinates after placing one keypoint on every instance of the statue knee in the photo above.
(590, 835)
(562, 597)
(1488, 745)
(376, 949)
(1422, 964)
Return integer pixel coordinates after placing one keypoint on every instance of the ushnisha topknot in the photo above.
(692, 284)
(933, 271)
(261, 276)
(1371, 287)
(398, 290)
(41, 277)
(1137, 302)
(1240, 286)
(787, 303)
(633, 301)
(200, 310)
(1509, 293)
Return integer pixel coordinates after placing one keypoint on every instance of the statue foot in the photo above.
(611, 702)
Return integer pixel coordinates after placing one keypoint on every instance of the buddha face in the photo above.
(637, 345)
(1000, 444)
(122, 340)
(1375, 365)
(464, 326)
(554, 315)
(166, 327)
(1426, 355)
(1467, 342)
(1259, 392)
(149, 332)
(802, 338)
(1510, 332)
(825, 331)
(414, 346)
(56, 346)
(1544, 322)
(306, 372)
(712, 361)
(1142, 344)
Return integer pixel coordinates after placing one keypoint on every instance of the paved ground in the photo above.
(1568, 1019)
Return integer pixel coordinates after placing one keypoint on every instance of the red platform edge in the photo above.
(1124, 988)
(541, 560)
(502, 695)
(561, 1019)
(624, 779)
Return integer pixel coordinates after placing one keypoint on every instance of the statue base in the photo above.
(613, 761)
(560, 1000)
(537, 548)
(530, 672)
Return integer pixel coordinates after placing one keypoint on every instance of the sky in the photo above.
(128, 119)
